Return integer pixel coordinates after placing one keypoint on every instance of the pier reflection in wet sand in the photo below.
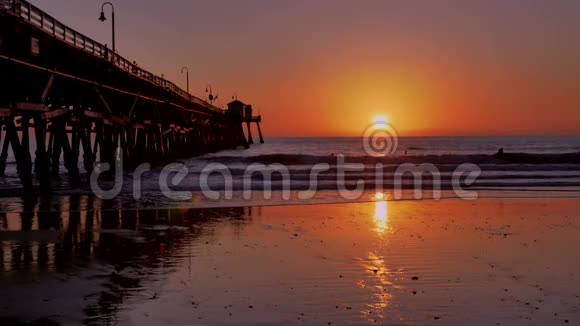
(111, 253)
(81, 260)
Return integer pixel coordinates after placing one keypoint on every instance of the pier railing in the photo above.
(40, 19)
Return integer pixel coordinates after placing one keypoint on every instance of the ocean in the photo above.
(308, 170)
(353, 146)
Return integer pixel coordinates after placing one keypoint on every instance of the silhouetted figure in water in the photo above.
(499, 154)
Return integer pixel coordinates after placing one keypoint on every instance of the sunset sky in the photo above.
(330, 67)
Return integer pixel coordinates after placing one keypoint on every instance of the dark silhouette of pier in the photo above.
(77, 97)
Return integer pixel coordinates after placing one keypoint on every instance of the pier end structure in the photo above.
(243, 113)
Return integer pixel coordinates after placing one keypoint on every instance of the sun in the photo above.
(381, 121)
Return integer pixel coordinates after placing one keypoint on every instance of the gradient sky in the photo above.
(329, 67)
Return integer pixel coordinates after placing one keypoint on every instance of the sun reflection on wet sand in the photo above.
(381, 289)
(380, 281)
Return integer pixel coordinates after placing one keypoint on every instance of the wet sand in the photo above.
(484, 262)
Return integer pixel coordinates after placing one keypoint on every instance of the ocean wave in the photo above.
(507, 158)
(531, 170)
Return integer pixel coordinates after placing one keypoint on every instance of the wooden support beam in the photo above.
(56, 146)
(243, 141)
(98, 137)
(47, 88)
(70, 162)
(93, 115)
(115, 143)
(250, 140)
(32, 107)
(84, 132)
(107, 148)
(23, 166)
(50, 147)
(42, 161)
(119, 120)
(55, 114)
(4, 113)
(125, 149)
(4, 153)
(160, 146)
(133, 106)
(105, 103)
(140, 143)
(260, 132)
(74, 175)
(129, 145)
(26, 140)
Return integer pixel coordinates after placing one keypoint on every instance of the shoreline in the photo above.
(35, 204)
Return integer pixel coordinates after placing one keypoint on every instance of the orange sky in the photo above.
(329, 67)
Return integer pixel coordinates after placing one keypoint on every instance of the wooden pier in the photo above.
(78, 98)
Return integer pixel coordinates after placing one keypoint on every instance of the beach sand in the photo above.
(484, 262)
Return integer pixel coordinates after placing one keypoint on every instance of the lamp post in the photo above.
(211, 97)
(103, 19)
(186, 69)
